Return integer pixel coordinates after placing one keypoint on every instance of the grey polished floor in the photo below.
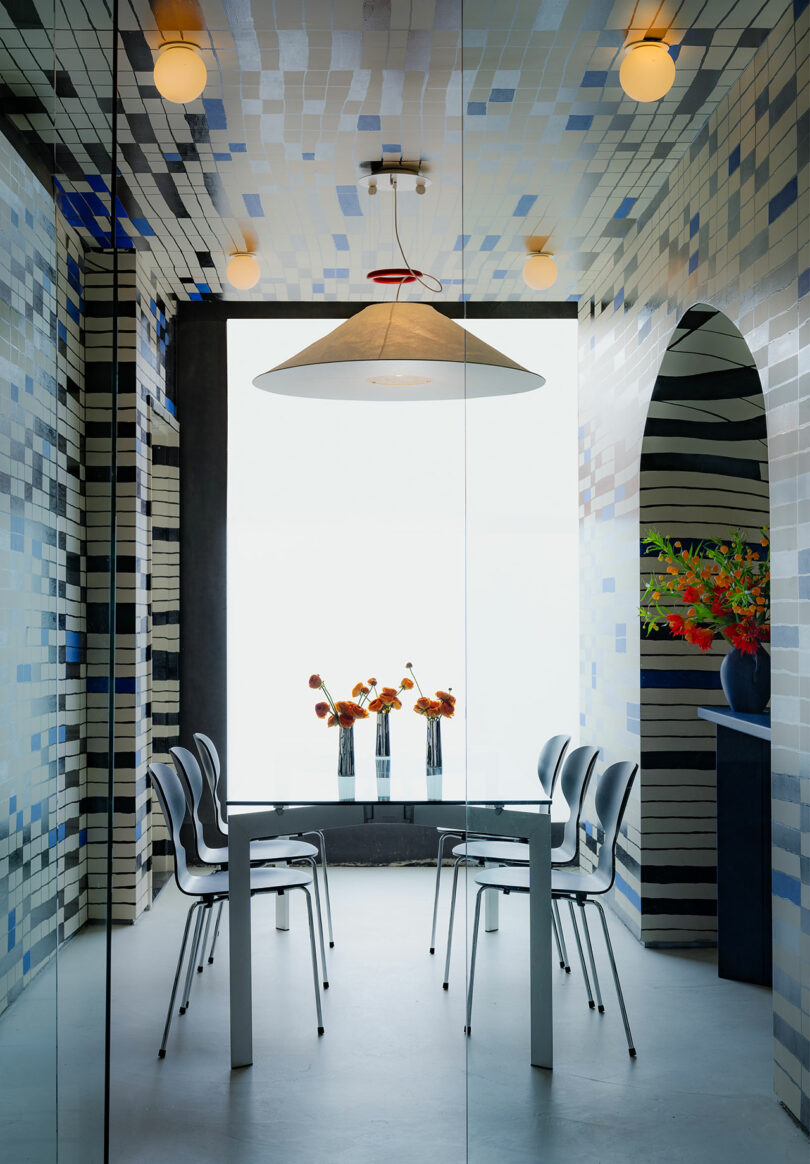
(395, 1080)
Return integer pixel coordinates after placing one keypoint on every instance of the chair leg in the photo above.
(216, 934)
(169, 1012)
(446, 983)
(439, 859)
(619, 994)
(585, 977)
(311, 861)
(314, 959)
(473, 951)
(204, 942)
(192, 959)
(556, 933)
(325, 871)
(555, 909)
(594, 975)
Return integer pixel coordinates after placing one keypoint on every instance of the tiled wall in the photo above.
(744, 185)
(43, 866)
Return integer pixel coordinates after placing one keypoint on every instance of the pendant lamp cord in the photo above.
(419, 278)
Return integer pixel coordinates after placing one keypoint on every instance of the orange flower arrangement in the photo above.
(343, 712)
(443, 705)
(724, 583)
(388, 697)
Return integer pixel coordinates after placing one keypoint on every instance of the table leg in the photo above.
(542, 1043)
(282, 906)
(240, 945)
(492, 900)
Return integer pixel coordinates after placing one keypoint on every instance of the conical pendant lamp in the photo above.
(398, 351)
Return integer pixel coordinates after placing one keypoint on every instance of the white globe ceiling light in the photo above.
(539, 271)
(398, 351)
(180, 72)
(647, 72)
(243, 271)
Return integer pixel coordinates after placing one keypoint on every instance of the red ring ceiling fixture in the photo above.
(394, 275)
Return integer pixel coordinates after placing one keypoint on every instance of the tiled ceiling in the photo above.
(518, 120)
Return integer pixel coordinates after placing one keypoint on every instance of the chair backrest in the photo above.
(549, 762)
(192, 778)
(172, 797)
(576, 775)
(212, 771)
(612, 795)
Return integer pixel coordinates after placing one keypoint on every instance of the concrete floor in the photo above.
(394, 1079)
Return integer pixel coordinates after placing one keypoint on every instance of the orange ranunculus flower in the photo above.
(445, 697)
(406, 684)
(359, 689)
(387, 698)
(724, 549)
(357, 711)
(341, 707)
(396, 704)
(388, 691)
(321, 710)
(763, 541)
(331, 721)
(447, 710)
(422, 704)
(315, 682)
(434, 707)
(376, 705)
(372, 682)
(408, 666)
(346, 720)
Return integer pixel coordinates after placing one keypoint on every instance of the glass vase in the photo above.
(382, 756)
(346, 763)
(434, 759)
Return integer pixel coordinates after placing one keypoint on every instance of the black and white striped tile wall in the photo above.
(704, 470)
(730, 228)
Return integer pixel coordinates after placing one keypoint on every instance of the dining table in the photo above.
(517, 810)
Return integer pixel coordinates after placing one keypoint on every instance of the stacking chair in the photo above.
(548, 769)
(261, 852)
(576, 774)
(212, 770)
(210, 889)
(612, 795)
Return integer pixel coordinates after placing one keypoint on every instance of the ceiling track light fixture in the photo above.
(243, 270)
(398, 351)
(180, 72)
(539, 271)
(647, 72)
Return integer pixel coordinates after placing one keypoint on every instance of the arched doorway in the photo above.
(704, 470)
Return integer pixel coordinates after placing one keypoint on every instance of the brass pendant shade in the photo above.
(398, 351)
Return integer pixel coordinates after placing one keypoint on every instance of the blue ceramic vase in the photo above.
(746, 680)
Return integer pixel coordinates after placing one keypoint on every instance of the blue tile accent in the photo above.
(594, 79)
(693, 262)
(336, 272)
(582, 719)
(629, 893)
(341, 242)
(237, 147)
(369, 121)
(26, 962)
(53, 836)
(804, 282)
(391, 148)
(625, 207)
(253, 203)
(499, 274)
(461, 242)
(12, 805)
(694, 225)
(691, 680)
(318, 288)
(786, 887)
(215, 112)
(173, 157)
(524, 205)
(780, 202)
(221, 157)
(476, 108)
(618, 299)
(142, 227)
(12, 918)
(607, 513)
(204, 287)
(502, 95)
(82, 838)
(349, 202)
(19, 821)
(785, 636)
(125, 686)
(96, 182)
(579, 121)
(490, 242)
(608, 585)
(734, 160)
(674, 51)
(97, 684)
(23, 672)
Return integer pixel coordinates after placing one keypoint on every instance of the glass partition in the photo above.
(55, 512)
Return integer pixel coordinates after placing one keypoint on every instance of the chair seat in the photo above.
(261, 881)
(511, 852)
(569, 881)
(514, 879)
(281, 850)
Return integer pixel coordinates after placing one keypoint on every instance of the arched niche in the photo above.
(704, 470)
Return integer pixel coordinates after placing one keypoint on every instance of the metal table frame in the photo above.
(497, 820)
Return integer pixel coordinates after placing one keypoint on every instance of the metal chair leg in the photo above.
(311, 861)
(555, 909)
(446, 983)
(556, 933)
(473, 951)
(595, 976)
(169, 1012)
(216, 934)
(204, 942)
(324, 869)
(190, 971)
(622, 1008)
(314, 958)
(439, 859)
(585, 977)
